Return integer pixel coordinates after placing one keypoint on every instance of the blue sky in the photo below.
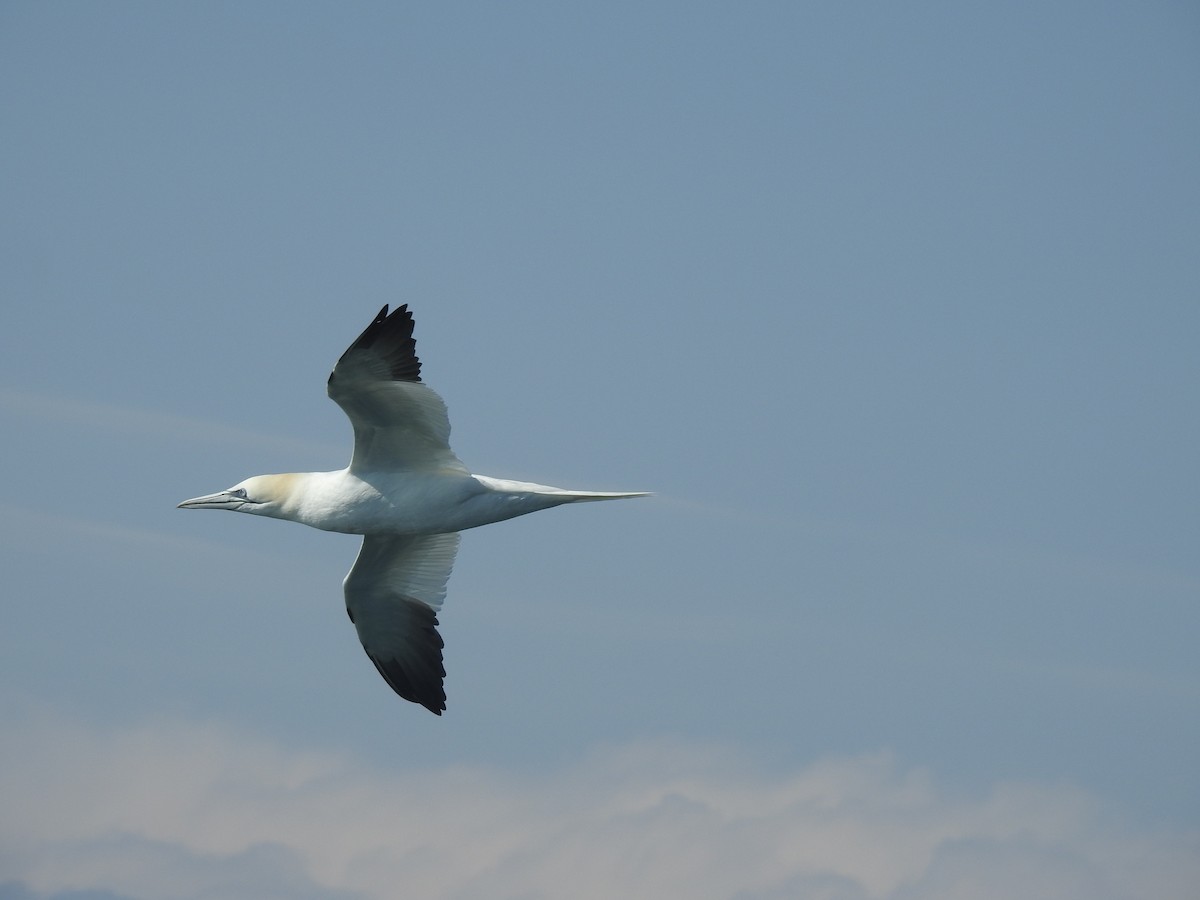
(895, 307)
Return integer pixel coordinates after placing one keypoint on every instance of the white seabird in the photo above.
(408, 495)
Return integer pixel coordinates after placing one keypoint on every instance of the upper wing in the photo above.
(399, 422)
(393, 593)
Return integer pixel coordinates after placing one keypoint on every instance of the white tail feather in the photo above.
(503, 484)
(603, 495)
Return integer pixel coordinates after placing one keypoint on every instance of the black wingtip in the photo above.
(417, 674)
(390, 337)
(428, 694)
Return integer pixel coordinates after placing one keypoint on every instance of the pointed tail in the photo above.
(574, 496)
(564, 496)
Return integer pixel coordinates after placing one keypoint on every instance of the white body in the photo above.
(412, 503)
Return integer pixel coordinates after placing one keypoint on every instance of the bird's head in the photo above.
(262, 495)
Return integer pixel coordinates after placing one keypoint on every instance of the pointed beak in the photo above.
(219, 500)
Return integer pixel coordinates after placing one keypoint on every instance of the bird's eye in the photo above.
(240, 493)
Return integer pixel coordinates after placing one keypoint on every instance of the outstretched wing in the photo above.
(399, 422)
(393, 594)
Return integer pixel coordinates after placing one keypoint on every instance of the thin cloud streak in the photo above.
(162, 426)
(184, 810)
(20, 523)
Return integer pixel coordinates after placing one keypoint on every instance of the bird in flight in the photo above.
(406, 493)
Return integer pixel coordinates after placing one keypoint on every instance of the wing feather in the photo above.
(393, 594)
(399, 421)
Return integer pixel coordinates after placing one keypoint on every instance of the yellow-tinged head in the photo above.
(262, 495)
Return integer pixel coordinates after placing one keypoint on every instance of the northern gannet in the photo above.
(408, 495)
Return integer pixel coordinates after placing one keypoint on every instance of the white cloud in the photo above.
(178, 810)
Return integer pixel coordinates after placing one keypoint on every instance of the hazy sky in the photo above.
(896, 307)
